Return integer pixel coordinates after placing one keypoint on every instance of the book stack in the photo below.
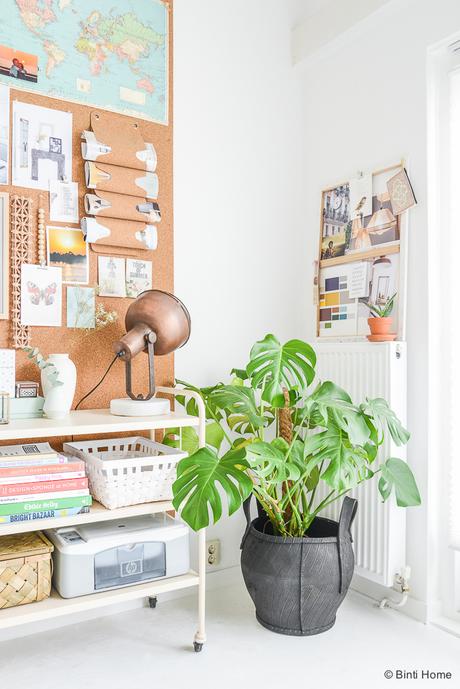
(38, 483)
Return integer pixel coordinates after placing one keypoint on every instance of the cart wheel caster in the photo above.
(197, 646)
(153, 600)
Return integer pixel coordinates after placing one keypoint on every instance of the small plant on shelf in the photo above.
(382, 311)
(50, 370)
(380, 321)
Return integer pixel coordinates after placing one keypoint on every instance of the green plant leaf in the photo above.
(379, 410)
(274, 366)
(336, 407)
(240, 402)
(346, 465)
(240, 373)
(214, 434)
(398, 476)
(196, 489)
(190, 440)
(190, 443)
(268, 461)
(190, 404)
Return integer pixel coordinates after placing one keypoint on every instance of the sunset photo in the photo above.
(18, 64)
(68, 250)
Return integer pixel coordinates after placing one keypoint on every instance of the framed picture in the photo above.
(362, 255)
(4, 256)
(357, 217)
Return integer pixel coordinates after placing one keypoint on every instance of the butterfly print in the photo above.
(37, 295)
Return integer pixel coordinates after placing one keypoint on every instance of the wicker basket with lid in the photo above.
(25, 568)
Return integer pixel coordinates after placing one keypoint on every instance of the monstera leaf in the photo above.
(397, 475)
(269, 462)
(336, 407)
(191, 405)
(239, 403)
(346, 465)
(187, 438)
(196, 489)
(274, 366)
(379, 410)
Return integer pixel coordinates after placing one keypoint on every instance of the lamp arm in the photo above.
(129, 388)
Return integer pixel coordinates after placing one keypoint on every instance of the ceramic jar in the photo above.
(58, 399)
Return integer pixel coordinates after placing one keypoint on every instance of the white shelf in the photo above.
(97, 513)
(55, 606)
(100, 422)
(91, 422)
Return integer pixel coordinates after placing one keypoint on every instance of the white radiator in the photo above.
(372, 370)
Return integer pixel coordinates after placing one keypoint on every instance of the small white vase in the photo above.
(58, 399)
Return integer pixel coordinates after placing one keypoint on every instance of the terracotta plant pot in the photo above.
(380, 329)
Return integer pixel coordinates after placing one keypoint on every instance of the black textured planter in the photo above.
(297, 584)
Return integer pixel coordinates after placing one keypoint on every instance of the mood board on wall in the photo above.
(80, 263)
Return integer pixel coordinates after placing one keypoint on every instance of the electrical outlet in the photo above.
(213, 552)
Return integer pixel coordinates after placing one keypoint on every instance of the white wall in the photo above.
(364, 106)
(240, 243)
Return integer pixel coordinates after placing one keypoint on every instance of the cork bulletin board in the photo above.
(92, 352)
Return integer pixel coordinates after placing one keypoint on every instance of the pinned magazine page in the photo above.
(138, 276)
(42, 146)
(41, 295)
(111, 276)
(63, 201)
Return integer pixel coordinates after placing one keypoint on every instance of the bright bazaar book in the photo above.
(32, 470)
(13, 499)
(43, 514)
(44, 505)
(42, 487)
(37, 478)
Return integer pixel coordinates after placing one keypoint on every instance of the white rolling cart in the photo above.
(101, 422)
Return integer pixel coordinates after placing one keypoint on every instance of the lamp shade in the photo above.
(158, 316)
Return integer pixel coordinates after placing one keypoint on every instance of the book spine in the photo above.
(31, 461)
(42, 514)
(13, 499)
(36, 478)
(44, 469)
(45, 505)
(43, 487)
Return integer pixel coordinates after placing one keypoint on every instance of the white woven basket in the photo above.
(127, 471)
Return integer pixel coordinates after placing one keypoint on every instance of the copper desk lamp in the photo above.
(156, 323)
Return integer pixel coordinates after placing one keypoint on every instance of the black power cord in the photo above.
(117, 356)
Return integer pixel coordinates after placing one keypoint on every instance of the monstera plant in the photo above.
(330, 441)
(297, 445)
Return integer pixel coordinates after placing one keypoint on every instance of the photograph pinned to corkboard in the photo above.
(362, 255)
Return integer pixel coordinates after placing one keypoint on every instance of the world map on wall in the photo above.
(111, 53)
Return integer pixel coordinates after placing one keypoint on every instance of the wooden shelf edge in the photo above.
(55, 606)
(97, 513)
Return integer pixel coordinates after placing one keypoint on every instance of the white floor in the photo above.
(152, 648)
